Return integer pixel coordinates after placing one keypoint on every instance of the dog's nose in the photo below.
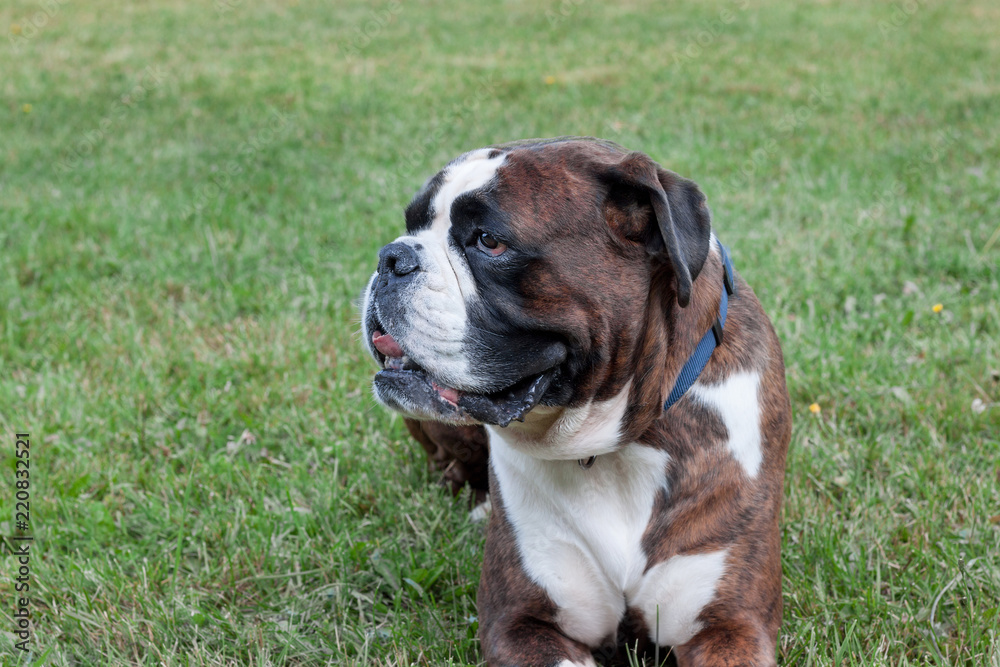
(399, 258)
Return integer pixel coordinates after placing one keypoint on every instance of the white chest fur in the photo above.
(579, 534)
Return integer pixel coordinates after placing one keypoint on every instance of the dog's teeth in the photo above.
(398, 363)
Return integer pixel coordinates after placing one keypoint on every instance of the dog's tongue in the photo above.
(386, 344)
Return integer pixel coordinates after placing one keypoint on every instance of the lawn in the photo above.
(192, 196)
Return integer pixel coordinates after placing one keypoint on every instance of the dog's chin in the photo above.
(415, 393)
(407, 387)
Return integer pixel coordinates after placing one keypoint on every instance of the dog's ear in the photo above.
(680, 227)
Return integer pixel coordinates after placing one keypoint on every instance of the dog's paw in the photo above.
(481, 512)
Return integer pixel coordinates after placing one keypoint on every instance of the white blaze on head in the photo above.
(475, 170)
(439, 311)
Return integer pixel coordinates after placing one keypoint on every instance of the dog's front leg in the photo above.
(728, 645)
(517, 619)
(528, 642)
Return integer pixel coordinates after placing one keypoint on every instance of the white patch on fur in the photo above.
(570, 663)
(675, 591)
(579, 532)
(737, 401)
(570, 433)
(438, 312)
(473, 172)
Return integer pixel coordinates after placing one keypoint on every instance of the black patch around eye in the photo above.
(473, 213)
(418, 212)
(468, 207)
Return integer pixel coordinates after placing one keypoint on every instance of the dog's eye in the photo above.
(489, 244)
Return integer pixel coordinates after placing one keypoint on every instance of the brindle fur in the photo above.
(582, 215)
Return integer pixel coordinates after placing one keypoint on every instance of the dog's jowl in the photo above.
(572, 297)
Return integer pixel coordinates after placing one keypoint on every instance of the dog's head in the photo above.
(528, 275)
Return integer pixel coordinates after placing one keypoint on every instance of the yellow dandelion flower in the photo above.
(814, 408)
(937, 308)
(549, 80)
(26, 108)
(15, 28)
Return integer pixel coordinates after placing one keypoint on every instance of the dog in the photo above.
(571, 298)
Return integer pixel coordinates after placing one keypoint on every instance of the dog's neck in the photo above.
(670, 336)
(562, 433)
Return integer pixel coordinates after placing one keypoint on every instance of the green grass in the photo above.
(212, 483)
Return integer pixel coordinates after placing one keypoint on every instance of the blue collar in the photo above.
(712, 338)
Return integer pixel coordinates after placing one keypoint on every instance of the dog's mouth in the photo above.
(402, 376)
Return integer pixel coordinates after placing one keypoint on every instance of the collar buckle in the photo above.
(717, 331)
